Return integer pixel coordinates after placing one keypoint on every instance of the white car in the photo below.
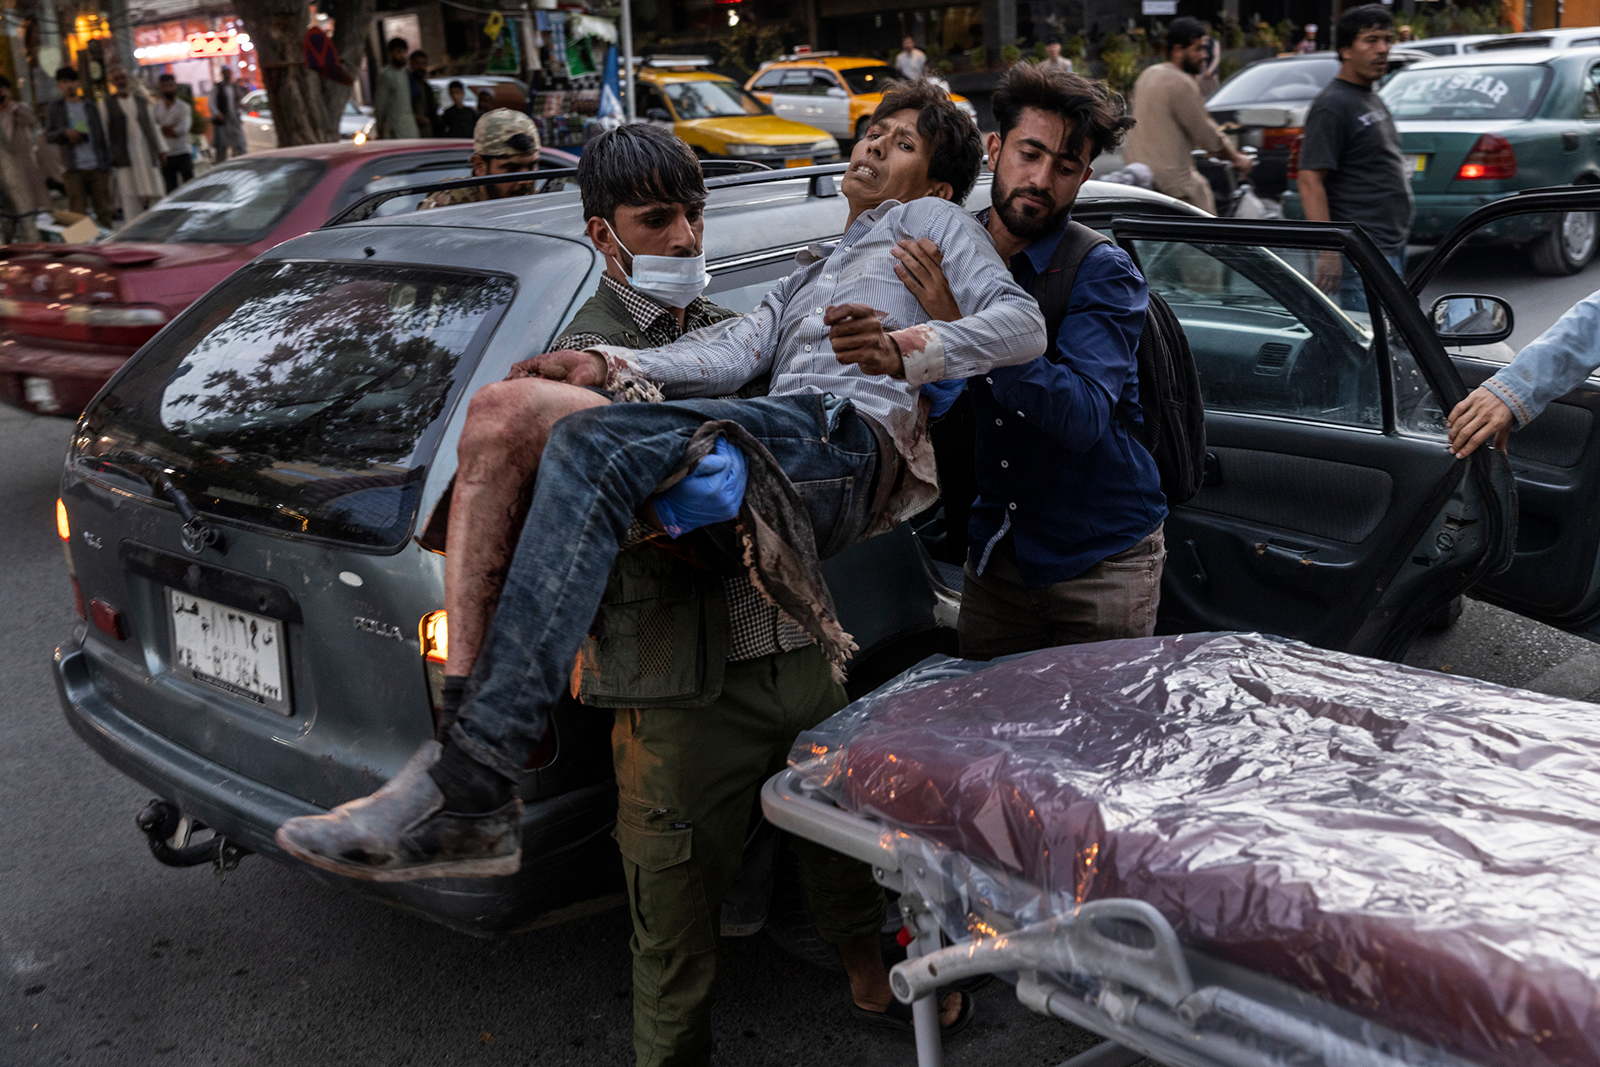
(355, 124)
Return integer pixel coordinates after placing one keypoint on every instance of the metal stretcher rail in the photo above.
(1147, 994)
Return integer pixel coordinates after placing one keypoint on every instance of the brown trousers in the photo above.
(86, 185)
(1117, 597)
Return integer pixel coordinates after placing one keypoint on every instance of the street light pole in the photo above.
(627, 58)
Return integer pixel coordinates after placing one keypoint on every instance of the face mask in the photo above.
(672, 280)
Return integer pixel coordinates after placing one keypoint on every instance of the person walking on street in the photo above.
(226, 122)
(911, 61)
(74, 123)
(173, 116)
(1065, 537)
(137, 151)
(391, 98)
(1308, 43)
(1552, 365)
(1351, 169)
(1053, 59)
(457, 120)
(20, 177)
(1171, 120)
(424, 101)
(1208, 69)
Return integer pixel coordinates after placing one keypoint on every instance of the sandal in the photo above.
(897, 1016)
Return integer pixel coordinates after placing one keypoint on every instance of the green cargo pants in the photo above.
(687, 784)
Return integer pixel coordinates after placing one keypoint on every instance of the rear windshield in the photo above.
(233, 204)
(1466, 92)
(864, 80)
(306, 396)
(1287, 81)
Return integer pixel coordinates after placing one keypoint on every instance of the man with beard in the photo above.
(1066, 533)
(503, 142)
(1172, 121)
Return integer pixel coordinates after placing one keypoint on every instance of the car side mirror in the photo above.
(658, 114)
(838, 93)
(1472, 319)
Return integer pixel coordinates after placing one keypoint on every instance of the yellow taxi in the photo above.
(719, 119)
(837, 93)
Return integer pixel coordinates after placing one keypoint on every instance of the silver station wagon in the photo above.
(262, 631)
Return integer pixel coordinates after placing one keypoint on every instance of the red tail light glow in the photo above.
(72, 298)
(1280, 137)
(1294, 157)
(1491, 159)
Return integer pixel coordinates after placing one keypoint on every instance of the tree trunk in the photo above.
(277, 28)
(352, 20)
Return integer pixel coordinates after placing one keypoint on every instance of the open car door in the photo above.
(1553, 576)
(1332, 511)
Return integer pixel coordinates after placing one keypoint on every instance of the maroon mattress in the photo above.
(1421, 849)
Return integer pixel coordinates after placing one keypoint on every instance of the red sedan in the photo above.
(70, 315)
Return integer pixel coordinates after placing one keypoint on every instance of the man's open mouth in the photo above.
(864, 168)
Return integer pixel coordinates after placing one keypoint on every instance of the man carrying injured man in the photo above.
(836, 452)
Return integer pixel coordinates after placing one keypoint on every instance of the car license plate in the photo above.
(41, 393)
(236, 651)
(1415, 163)
(797, 163)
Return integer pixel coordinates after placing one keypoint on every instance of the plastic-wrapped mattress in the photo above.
(1421, 849)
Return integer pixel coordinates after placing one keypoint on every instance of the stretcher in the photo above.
(1230, 850)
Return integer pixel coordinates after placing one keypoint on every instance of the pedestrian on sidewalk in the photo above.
(21, 180)
(391, 99)
(1552, 365)
(138, 152)
(1053, 59)
(1308, 43)
(1171, 120)
(457, 120)
(74, 124)
(424, 101)
(172, 116)
(1350, 164)
(226, 122)
(911, 61)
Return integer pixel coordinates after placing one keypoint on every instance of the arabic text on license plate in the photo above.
(237, 651)
(797, 163)
(1415, 163)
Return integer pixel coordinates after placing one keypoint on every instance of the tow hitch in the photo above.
(169, 834)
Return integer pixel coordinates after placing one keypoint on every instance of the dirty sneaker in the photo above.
(403, 833)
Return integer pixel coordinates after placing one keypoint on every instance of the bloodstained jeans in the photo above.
(598, 467)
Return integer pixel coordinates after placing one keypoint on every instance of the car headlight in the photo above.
(742, 150)
(826, 147)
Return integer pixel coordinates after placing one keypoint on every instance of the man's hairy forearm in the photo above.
(1314, 196)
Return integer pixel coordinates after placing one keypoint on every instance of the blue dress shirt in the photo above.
(1055, 468)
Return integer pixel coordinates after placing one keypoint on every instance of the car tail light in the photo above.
(1491, 159)
(77, 599)
(1294, 156)
(63, 527)
(1280, 137)
(433, 634)
(72, 299)
(107, 619)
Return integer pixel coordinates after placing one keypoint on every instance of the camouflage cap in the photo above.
(503, 132)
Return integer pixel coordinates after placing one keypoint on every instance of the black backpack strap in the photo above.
(1053, 288)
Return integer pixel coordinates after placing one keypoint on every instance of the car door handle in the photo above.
(1288, 553)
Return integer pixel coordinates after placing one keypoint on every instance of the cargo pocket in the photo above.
(657, 844)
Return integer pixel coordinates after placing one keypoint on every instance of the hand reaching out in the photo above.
(1478, 418)
(574, 368)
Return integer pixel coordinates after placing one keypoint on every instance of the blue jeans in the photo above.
(598, 467)
(1353, 291)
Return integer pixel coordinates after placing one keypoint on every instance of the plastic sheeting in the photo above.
(1421, 849)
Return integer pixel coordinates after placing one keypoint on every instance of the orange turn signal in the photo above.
(434, 636)
(63, 530)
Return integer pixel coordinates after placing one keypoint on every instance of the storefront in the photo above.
(194, 50)
(876, 27)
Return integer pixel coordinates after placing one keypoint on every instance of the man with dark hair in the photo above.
(1351, 169)
(1171, 119)
(173, 117)
(227, 123)
(1065, 538)
(458, 119)
(503, 142)
(836, 452)
(391, 96)
(911, 61)
(74, 124)
(1053, 59)
(424, 101)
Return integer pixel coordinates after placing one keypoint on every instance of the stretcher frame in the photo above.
(1145, 993)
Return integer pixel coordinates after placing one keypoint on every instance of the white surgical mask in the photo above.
(672, 280)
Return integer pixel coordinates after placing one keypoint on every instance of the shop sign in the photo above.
(206, 45)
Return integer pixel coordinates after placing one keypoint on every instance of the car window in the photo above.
(1292, 79)
(795, 83)
(711, 100)
(1591, 95)
(862, 80)
(1585, 42)
(432, 172)
(1476, 92)
(1435, 49)
(769, 79)
(307, 396)
(650, 97)
(1266, 341)
(822, 81)
(233, 204)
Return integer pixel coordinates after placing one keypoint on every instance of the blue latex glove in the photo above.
(942, 394)
(711, 493)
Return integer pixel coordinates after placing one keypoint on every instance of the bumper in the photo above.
(73, 375)
(570, 862)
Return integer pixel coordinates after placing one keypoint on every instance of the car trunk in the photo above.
(1446, 146)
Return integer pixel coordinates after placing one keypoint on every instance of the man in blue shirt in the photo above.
(1066, 533)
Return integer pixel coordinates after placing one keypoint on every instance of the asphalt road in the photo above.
(1537, 301)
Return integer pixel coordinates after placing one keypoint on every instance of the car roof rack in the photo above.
(792, 56)
(719, 173)
(661, 60)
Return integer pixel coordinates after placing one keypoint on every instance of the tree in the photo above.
(305, 105)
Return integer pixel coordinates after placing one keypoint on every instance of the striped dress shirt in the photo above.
(786, 335)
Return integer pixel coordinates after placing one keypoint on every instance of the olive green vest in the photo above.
(661, 636)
